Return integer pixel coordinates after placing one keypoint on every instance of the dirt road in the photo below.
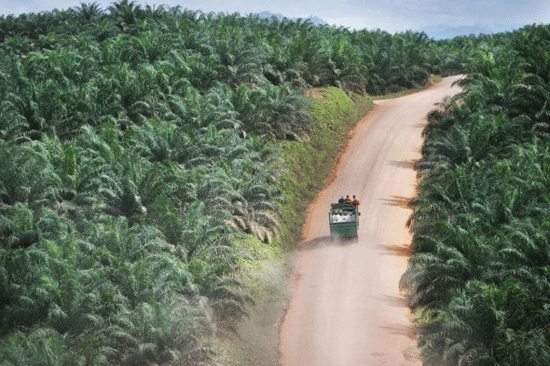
(346, 308)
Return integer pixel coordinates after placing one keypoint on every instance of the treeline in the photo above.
(137, 144)
(479, 279)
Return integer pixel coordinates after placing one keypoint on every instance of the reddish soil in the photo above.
(346, 308)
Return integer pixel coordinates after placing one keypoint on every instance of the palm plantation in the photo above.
(479, 276)
(138, 144)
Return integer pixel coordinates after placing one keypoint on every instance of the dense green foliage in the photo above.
(139, 143)
(480, 276)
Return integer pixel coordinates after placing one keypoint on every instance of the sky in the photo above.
(388, 15)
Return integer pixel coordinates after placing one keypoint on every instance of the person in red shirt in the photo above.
(355, 201)
(348, 200)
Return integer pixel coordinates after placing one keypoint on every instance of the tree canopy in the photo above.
(138, 143)
(480, 273)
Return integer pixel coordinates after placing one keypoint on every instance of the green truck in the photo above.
(343, 220)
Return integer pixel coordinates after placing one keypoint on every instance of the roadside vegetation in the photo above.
(479, 279)
(151, 158)
(266, 268)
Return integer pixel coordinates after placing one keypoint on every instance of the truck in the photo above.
(344, 220)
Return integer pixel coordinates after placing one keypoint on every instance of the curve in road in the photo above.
(346, 308)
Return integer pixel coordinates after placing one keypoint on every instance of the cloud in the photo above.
(464, 10)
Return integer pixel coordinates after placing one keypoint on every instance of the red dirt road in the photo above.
(346, 308)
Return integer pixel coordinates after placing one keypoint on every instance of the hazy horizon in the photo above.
(392, 15)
